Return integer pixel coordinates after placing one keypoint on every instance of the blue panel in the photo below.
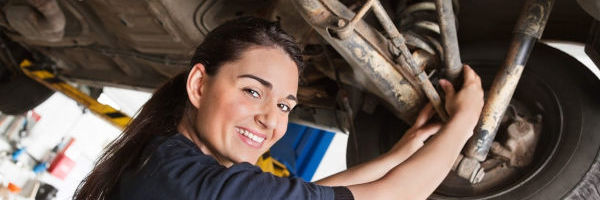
(301, 149)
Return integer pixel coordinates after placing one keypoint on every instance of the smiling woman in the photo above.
(195, 138)
(199, 133)
(242, 110)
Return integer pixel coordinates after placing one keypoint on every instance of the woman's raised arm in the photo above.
(421, 173)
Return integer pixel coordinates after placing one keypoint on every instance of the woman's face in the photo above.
(243, 109)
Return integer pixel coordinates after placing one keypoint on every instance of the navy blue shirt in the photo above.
(177, 169)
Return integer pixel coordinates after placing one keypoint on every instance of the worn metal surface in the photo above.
(499, 97)
(404, 57)
(520, 145)
(449, 39)
(37, 20)
(533, 18)
(470, 169)
(364, 57)
(344, 29)
(507, 78)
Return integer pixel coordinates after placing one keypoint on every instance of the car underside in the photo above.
(371, 66)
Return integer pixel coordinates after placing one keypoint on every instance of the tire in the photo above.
(19, 93)
(566, 163)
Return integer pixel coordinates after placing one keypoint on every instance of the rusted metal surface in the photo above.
(533, 18)
(364, 56)
(406, 60)
(520, 145)
(345, 28)
(433, 96)
(512, 154)
(469, 169)
(449, 39)
(529, 27)
(499, 97)
(40, 20)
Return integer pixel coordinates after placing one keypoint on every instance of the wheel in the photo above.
(565, 161)
(19, 93)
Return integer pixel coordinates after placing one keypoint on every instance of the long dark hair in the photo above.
(169, 105)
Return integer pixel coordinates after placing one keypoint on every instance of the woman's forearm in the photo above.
(419, 175)
(366, 172)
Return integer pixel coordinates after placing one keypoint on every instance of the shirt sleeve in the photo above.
(185, 173)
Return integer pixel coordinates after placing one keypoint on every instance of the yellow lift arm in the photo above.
(114, 116)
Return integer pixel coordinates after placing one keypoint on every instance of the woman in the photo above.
(197, 135)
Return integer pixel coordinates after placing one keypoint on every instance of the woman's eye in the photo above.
(252, 92)
(283, 107)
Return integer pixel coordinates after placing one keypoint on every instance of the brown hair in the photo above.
(161, 115)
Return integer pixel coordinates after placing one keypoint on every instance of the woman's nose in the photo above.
(267, 118)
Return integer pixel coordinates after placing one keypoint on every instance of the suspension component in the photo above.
(449, 40)
(529, 29)
(404, 57)
(365, 52)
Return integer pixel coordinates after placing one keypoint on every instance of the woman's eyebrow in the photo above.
(266, 84)
(260, 80)
(292, 97)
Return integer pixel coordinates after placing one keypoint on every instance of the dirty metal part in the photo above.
(529, 28)
(424, 59)
(316, 96)
(26, 19)
(447, 26)
(500, 94)
(520, 145)
(533, 18)
(415, 21)
(406, 60)
(513, 151)
(345, 28)
(428, 89)
(469, 168)
(421, 6)
(416, 42)
(323, 118)
(364, 56)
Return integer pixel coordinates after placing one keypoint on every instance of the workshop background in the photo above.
(59, 141)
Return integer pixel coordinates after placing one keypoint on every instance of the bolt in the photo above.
(341, 23)
(470, 169)
(477, 176)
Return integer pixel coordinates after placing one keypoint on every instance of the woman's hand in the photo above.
(424, 170)
(466, 105)
(414, 138)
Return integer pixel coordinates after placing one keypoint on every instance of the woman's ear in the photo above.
(195, 83)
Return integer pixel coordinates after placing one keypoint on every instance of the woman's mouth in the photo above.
(250, 138)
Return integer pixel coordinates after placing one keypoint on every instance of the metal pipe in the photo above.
(346, 28)
(364, 57)
(449, 39)
(528, 30)
(405, 58)
(397, 39)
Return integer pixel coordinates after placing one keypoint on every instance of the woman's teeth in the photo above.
(250, 135)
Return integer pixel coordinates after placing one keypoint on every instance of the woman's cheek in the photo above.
(240, 106)
(281, 128)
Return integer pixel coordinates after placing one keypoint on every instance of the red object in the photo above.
(13, 188)
(35, 116)
(61, 166)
